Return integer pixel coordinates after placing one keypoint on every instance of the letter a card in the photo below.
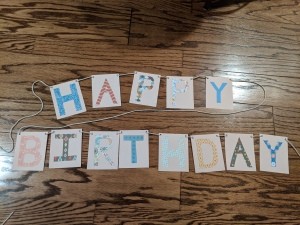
(274, 154)
(65, 148)
(239, 149)
(106, 90)
(30, 151)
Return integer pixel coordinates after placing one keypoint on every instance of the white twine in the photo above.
(7, 218)
(124, 113)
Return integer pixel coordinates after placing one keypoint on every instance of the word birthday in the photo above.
(130, 149)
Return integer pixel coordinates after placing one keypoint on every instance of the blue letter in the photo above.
(175, 153)
(133, 139)
(219, 90)
(273, 152)
(71, 97)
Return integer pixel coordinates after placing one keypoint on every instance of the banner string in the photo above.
(124, 113)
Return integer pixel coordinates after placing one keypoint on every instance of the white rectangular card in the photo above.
(103, 150)
(67, 99)
(219, 94)
(180, 92)
(144, 89)
(173, 152)
(30, 151)
(134, 149)
(274, 154)
(207, 152)
(106, 90)
(65, 148)
(239, 149)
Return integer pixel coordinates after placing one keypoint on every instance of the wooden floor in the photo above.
(56, 41)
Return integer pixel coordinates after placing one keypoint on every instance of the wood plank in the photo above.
(68, 20)
(32, 211)
(22, 43)
(107, 215)
(248, 197)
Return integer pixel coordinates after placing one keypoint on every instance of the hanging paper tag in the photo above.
(274, 154)
(239, 150)
(219, 93)
(180, 92)
(65, 148)
(30, 151)
(134, 149)
(106, 91)
(145, 89)
(103, 150)
(207, 152)
(67, 99)
(173, 152)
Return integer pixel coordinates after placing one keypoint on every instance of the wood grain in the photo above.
(57, 41)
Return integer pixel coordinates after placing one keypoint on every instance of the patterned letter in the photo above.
(102, 149)
(175, 153)
(239, 149)
(175, 90)
(65, 157)
(273, 151)
(71, 97)
(34, 151)
(133, 139)
(141, 88)
(218, 90)
(214, 160)
(106, 88)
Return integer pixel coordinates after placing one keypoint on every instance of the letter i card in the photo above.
(65, 148)
(30, 151)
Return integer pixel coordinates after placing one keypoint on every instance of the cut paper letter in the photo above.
(134, 149)
(67, 99)
(173, 152)
(274, 154)
(180, 92)
(103, 150)
(30, 151)
(239, 149)
(207, 152)
(106, 90)
(145, 89)
(65, 148)
(219, 94)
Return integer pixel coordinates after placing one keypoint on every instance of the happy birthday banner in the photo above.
(130, 148)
